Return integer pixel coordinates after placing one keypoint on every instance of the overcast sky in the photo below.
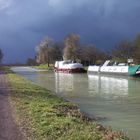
(24, 23)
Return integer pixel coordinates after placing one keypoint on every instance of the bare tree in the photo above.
(1, 55)
(89, 54)
(123, 51)
(43, 51)
(58, 51)
(31, 62)
(71, 45)
(136, 52)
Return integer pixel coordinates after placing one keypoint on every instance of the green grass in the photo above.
(45, 66)
(5, 69)
(43, 116)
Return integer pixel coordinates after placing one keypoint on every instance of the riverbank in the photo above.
(42, 115)
(44, 67)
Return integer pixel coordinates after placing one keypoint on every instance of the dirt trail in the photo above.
(8, 128)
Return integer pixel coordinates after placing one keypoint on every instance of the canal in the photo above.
(113, 100)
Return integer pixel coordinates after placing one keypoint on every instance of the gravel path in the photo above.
(8, 128)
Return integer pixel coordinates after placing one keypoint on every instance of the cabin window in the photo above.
(122, 64)
(138, 69)
(111, 63)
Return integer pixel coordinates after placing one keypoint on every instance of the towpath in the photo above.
(8, 128)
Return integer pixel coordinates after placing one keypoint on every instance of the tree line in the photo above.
(49, 51)
(127, 50)
(1, 56)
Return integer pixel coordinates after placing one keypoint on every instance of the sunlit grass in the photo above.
(45, 66)
(43, 116)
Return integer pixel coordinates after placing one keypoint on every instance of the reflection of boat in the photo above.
(64, 82)
(68, 66)
(107, 86)
(120, 68)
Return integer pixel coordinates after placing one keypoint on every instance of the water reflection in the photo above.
(71, 85)
(104, 86)
(107, 86)
(94, 83)
(64, 82)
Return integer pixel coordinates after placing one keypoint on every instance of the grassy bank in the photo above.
(45, 66)
(43, 116)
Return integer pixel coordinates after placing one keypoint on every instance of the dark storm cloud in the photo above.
(101, 22)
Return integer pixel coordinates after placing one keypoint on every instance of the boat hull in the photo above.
(65, 70)
(116, 70)
(68, 67)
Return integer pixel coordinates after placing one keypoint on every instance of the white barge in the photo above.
(121, 68)
(68, 66)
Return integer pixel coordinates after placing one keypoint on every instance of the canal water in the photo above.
(113, 100)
